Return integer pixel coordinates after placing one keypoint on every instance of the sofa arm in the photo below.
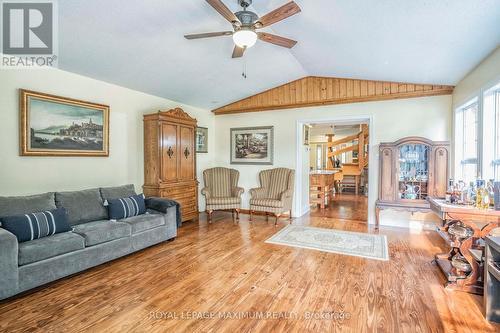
(237, 191)
(162, 205)
(206, 192)
(9, 270)
(258, 193)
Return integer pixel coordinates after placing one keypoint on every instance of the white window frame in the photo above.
(482, 162)
(495, 161)
(460, 160)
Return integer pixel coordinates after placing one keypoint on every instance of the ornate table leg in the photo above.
(377, 218)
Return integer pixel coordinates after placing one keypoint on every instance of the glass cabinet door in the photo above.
(413, 171)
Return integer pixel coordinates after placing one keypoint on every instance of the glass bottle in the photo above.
(449, 191)
(461, 192)
(482, 195)
(491, 192)
(472, 194)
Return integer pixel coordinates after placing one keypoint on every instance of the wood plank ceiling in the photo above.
(313, 91)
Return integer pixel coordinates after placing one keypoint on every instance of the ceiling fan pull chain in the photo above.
(244, 73)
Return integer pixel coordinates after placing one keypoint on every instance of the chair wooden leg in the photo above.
(209, 213)
(237, 214)
(277, 217)
(290, 217)
(267, 216)
(251, 213)
(232, 214)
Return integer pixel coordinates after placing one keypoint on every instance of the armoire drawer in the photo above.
(179, 192)
(186, 202)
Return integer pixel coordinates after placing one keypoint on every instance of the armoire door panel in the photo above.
(186, 154)
(440, 171)
(386, 175)
(169, 153)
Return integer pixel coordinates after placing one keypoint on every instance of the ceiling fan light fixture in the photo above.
(245, 38)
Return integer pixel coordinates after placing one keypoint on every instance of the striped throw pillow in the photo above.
(126, 207)
(32, 226)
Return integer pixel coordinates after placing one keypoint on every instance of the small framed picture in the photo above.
(252, 145)
(201, 140)
(307, 129)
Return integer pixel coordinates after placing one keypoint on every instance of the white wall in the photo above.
(28, 175)
(429, 117)
(486, 73)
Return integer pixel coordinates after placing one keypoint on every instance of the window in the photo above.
(491, 134)
(319, 157)
(477, 137)
(466, 141)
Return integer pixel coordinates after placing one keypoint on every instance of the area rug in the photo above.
(334, 241)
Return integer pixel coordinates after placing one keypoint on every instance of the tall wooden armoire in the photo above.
(170, 159)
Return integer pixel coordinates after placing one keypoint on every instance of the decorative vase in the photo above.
(460, 230)
(496, 190)
(461, 264)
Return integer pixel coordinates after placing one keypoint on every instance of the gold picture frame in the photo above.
(57, 126)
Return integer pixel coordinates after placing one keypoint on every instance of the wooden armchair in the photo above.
(221, 191)
(275, 194)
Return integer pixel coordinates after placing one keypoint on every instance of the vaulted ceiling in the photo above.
(139, 44)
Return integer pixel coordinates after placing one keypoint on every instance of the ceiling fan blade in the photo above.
(209, 34)
(277, 40)
(238, 51)
(279, 14)
(221, 8)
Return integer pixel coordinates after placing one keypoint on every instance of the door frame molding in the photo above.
(301, 206)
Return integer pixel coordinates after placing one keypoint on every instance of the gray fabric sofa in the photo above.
(93, 241)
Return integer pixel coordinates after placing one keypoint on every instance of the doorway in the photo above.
(335, 160)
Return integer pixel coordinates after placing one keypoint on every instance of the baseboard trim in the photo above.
(247, 212)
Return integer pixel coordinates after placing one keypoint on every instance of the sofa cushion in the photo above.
(32, 226)
(117, 192)
(48, 247)
(223, 201)
(267, 203)
(82, 206)
(103, 231)
(126, 207)
(144, 222)
(26, 204)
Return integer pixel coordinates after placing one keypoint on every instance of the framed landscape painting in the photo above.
(201, 140)
(252, 145)
(58, 126)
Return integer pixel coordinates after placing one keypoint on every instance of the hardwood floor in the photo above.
(345, 206)
(226, 269)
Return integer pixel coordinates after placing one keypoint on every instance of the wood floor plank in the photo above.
(226, 269)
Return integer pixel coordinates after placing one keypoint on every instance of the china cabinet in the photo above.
(411, 169)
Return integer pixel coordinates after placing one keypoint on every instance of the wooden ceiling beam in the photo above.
(317, 91)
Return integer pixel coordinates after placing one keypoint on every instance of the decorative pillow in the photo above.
(126, 207)
(32, 226)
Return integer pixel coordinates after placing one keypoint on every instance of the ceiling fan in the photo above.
(245, 23)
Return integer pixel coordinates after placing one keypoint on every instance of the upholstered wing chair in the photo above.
(221, 191)
(275, 194)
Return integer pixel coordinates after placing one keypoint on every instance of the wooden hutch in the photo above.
(411, 169)
(170, 159)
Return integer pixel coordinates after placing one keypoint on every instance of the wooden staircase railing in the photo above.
(360, 139)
